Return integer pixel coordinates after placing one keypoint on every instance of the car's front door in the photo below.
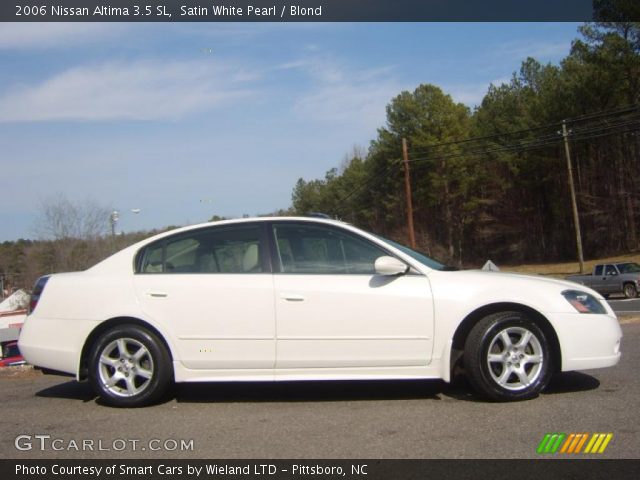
(333, 311)
(611, 282)
(212, 291)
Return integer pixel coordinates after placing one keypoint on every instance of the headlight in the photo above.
(583, 302)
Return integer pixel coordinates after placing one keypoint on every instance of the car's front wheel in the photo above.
(508, 357)
(129, 367)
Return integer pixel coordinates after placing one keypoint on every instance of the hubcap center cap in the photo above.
(127, 365)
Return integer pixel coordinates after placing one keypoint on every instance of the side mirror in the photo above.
(389, 266)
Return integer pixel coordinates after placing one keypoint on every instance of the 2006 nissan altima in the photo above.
(306, 299)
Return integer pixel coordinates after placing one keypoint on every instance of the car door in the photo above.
(333, 311)
(212, 290)
(611, 280)
(598, 279)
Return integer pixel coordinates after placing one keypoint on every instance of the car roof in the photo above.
(237, 221)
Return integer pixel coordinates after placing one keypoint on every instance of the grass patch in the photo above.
(561, 270)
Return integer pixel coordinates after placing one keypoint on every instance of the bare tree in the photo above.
(62, 219)
(75, 230)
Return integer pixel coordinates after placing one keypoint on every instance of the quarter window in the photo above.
(220, 250)
(322, 250)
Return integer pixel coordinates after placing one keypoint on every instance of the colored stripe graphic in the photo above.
(543, 443)
(598, 442)
(570, 439)
(583, 439)
(551, 442)
(573, 443)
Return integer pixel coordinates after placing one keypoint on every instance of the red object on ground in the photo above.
(11, 355)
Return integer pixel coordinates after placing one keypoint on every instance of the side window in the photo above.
(322, 250)
(610, 270)
(152, 259)
(598, 270)
(181, 255)
(218, 250)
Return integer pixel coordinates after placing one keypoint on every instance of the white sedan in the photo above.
(306, 299)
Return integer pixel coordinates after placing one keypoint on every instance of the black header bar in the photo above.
(311, 10)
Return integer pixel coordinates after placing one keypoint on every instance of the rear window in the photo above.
(629, 268)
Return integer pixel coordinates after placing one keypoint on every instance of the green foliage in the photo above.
(504, 196)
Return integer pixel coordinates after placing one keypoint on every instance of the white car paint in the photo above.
(275, 326)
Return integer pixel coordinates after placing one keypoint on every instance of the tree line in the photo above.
(488, 183)
(493, 182)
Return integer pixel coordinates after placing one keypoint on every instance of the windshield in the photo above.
(628, 268)
(419, 256)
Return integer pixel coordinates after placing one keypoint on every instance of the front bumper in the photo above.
(587, 340)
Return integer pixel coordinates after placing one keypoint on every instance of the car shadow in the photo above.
(71, 390)
(567, 382)
(309, 391)
(322, 391)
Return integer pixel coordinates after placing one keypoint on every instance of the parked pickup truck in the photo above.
(611, 278)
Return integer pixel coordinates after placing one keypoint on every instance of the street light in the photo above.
(113, 218)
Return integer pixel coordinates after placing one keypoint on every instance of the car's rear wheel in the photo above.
(129, 367)
(630, 290)
(508, 357)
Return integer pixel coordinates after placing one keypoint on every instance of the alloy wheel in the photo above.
(125, 367)
(515, 358)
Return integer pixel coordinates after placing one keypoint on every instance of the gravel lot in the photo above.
(395, 419)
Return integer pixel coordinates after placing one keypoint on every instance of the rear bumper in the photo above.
(54, 344)
(586, 340)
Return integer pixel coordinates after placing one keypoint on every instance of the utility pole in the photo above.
(407, 188)
(572, 189)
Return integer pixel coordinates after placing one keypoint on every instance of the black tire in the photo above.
(514, 371)
(129, 366)
(630, 290)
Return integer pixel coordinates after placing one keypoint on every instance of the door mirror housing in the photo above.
(390, 266)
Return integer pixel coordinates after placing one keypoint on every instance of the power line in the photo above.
(596, 115)
(536, 143)
(603, 113)
(585, 133)
(370, 180)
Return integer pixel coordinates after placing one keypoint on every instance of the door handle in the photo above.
(158, 294)
(292, 297)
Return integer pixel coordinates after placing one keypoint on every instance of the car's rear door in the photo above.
(212, 290)
(333, 311)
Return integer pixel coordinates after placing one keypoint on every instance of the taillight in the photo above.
(37, 291)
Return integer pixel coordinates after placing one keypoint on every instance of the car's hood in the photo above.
(535, 278)
(476, 286)
(512, 277)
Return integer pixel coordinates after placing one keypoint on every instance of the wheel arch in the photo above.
(107, 325)
(463, 329)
